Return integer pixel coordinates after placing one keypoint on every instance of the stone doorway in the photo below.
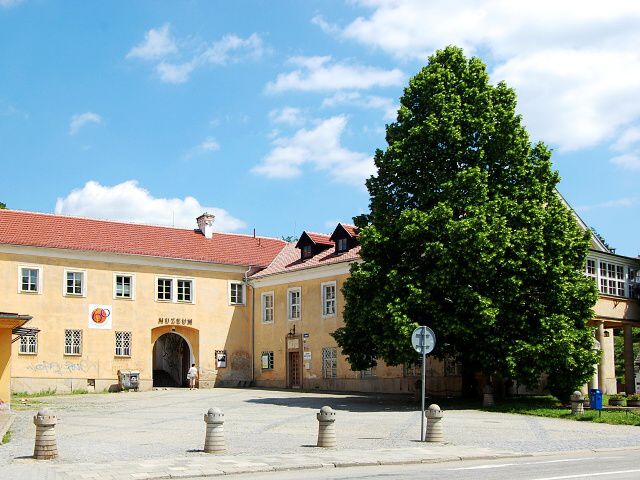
(294, 361)
(172, 358)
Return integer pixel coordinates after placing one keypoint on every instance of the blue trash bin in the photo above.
(595, 398)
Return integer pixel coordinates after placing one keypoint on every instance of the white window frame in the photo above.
(267, 358)
(24, 347)
(192, 290)
(323, 299)
(122, 347)
(71, 353)
(243, 290)
(39, 286)
(329, 362)
(620, 283)
(83, 286)
(263, 302)
(171, 293)
(132, 286)
(290, 305)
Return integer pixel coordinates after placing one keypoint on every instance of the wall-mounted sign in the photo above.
(221, 359)
(174, 321)
(293, 343)
(307, 355)
(100, 317)
(305, 335)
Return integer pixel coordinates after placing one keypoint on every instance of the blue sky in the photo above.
(268, 113)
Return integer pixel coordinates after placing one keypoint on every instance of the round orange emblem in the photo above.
(99, 315)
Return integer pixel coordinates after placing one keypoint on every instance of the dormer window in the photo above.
(341, 245)
(307, 251)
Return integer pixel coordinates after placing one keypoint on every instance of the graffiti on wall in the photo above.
(64, 368)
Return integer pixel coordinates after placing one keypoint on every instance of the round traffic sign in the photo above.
(423, 340)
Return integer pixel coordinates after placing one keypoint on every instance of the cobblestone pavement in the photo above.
(168, 426)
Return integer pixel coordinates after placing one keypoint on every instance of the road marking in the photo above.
(502, 465)
(586, 475)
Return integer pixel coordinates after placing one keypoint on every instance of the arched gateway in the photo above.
(172, 357)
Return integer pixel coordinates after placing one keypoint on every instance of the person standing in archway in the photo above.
(192, 375)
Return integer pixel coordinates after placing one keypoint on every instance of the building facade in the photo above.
(109, 296)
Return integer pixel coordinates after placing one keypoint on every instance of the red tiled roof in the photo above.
(288, 260)
(319, 238)
(351, 229)
(58, 231)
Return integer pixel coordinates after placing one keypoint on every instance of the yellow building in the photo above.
(299, 303)
(112, 296)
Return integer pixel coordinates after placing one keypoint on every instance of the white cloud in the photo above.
(287, 116)
(320, 147)
(128, 202)
(209, 145)
(574, 64)
(628, 161)
(232, 48)
(174, 72)
(79, 120)
(157, 43)
(356, 99)
(321, 74)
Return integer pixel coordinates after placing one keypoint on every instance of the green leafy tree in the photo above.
(467, 234)
(3, 206)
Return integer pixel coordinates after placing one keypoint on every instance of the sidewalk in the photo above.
(205, 465)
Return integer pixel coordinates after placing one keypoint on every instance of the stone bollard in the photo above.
(487, 397)
(46, 447)
(577, 403)
(214, 438)
(326, 430)
(434, 424)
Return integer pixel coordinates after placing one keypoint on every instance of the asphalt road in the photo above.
(614, 465)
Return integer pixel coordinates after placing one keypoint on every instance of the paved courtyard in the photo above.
(169, 423)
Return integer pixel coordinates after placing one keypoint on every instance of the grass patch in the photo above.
(42, 393)
(79, 391)
(548, 406)
(6, 438)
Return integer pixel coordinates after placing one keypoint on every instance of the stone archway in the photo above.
(172, 357)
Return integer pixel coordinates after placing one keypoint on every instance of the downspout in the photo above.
(253, 310)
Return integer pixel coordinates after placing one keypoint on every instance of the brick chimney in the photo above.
(205, 224)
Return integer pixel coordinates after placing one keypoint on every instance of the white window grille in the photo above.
(221, 358)
(75, 283)
(267, 360)
(329, 299)
(123, 344)
(591, 270)
(612, 279)
(184, 290)
(294, 303)
(267, 307)
(29, 280)
(329, 362)
(29, 344)
(73, 342)
(236, 293)
(164, 289)
(124, 286)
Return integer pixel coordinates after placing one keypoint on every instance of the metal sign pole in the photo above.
(424, 376)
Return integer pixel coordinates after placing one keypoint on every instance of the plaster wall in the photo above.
(209, 323)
